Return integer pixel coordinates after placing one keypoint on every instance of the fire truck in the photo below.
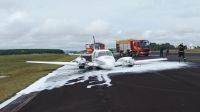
(90, 47)
(133, 47)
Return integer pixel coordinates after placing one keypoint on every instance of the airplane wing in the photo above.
(79, 54)
(91, 64)
(55, 63)
(128, 61)
(149, 60)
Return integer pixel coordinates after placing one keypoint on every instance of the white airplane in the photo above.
(102, 59)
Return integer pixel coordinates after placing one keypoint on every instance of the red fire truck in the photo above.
(90, 47)
(133, 47)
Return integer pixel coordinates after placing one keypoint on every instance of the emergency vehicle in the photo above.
(133, 47)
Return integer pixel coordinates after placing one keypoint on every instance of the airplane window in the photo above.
(103, 53)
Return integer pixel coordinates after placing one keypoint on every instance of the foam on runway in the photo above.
(68, 75)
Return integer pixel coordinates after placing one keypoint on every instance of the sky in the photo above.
(70, 24)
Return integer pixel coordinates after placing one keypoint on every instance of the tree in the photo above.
(155, 46)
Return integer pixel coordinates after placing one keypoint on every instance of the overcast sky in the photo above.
(70, 24)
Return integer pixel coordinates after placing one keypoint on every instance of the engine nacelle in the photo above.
(81, 62)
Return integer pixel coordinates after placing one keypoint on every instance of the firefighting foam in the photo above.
(70, 75)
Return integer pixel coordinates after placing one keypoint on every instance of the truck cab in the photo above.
(141, 47)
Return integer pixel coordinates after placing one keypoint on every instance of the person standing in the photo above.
(128, 52)
(181, 52)
(161, 51)
(167, 52)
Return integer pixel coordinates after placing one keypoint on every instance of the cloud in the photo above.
(99, 28)
(15, 25)
(71, 24)
(56, 28)
(51, 33)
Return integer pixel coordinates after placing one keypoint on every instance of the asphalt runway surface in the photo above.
(157, 91)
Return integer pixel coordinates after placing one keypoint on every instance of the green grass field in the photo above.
(20, 74)
(193, 50)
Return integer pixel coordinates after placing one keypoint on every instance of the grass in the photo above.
(193, 50)
(21, 74)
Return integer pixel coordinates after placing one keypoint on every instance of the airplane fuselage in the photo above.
(103, 59)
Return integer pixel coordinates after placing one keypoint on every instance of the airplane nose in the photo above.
(106, 62)
(109, 64)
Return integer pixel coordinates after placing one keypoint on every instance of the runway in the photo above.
(166, 90)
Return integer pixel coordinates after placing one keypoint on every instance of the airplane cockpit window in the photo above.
(103, 53)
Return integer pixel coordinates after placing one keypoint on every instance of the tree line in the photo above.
(30, 51)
